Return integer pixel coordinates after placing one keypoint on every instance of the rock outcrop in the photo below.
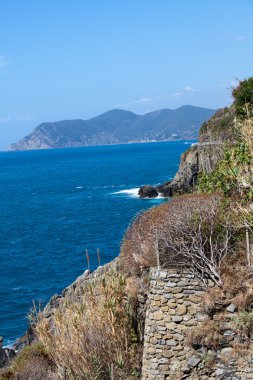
(148, 191)
(203, 156)
(6, 354)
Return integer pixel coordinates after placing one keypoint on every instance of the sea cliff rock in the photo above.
(203, 156)
(148, 191)
(6, 354)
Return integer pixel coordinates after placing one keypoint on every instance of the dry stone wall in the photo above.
(173, 307)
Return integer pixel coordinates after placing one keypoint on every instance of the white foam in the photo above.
(134, 193)
(79, 187)
(131, 192)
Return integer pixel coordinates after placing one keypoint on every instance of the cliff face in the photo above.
(204, 155)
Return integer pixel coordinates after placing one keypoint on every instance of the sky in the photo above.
(62, 59)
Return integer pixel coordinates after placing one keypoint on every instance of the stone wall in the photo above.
(173, 307)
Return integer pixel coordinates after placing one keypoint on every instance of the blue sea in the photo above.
(56, 203)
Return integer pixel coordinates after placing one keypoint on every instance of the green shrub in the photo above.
(243, 94)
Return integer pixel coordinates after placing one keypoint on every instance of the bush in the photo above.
(243, 323)
(94, 333)
(243, 95)
(190, 231)
(33, 363)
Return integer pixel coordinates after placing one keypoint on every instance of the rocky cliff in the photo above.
(201, 157)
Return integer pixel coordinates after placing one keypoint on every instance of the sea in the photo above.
(56, 204)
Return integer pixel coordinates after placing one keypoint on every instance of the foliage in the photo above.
(91, 335)
(233, 175)
(243, 94)
(243, 323)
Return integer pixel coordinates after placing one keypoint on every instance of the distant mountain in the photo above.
(118, 127)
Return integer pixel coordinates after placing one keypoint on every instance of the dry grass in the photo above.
(87, 337)
(244, 300)
(212, 301)
(234, 279)
(207, 335)
(243, 324)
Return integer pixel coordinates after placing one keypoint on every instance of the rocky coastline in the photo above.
(201, 157)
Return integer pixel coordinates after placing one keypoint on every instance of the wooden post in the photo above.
(64, 376)
(17, 376)
(112, 372)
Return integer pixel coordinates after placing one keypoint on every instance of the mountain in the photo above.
(117, 127)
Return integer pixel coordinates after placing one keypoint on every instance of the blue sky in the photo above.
(62, 59)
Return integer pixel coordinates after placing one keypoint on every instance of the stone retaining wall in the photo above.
(173, 307)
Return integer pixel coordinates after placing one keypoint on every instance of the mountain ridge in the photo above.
(117, 126)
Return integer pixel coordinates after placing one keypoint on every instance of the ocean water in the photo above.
(56, 203)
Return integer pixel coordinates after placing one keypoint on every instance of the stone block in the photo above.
(195, 299)
(177, 319)
(176, 290)
(181, 310)
(178, 295)
(158, 315)
(172, 342)
(170, 284)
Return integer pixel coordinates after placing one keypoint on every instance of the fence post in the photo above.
(112, 372)
(64, 377)
(17, 377)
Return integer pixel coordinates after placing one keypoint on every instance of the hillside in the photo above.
(117, 127)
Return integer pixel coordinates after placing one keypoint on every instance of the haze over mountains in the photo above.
(118, 127)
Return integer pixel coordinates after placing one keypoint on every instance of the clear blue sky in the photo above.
(62, 59)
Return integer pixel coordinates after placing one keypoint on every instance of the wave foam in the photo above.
(131, 192)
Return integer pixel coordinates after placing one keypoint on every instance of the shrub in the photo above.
(243, 323)
(33, 363)
(192, 231)
(243, 95)
(207, 335)
(89, 336)
(233, 175)
(244, 300)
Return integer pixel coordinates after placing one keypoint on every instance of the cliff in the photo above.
(203, 156)
(117, 127)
